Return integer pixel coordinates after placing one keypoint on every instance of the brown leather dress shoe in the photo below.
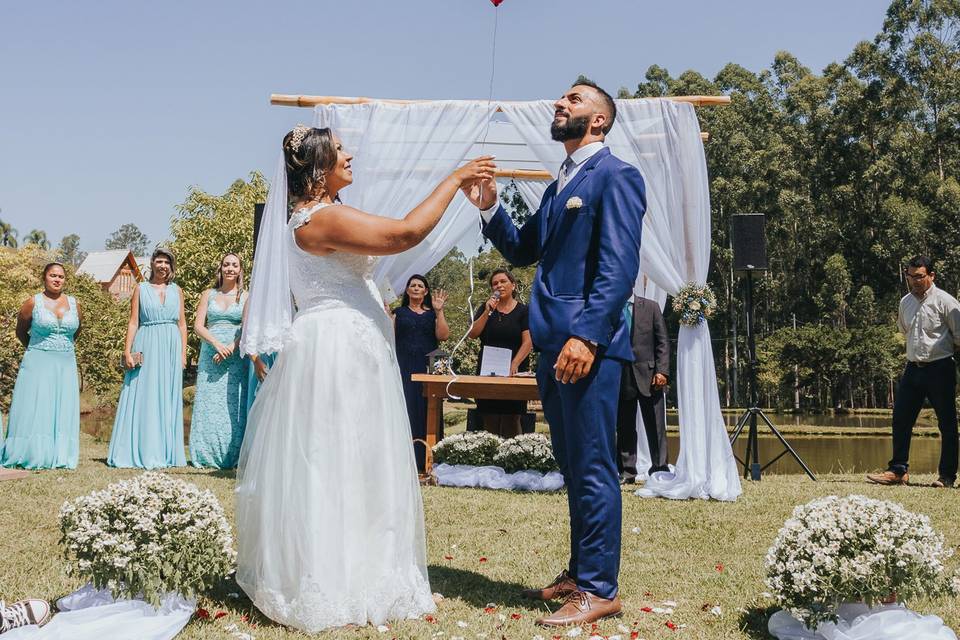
(561, 587)
(581, 607)
(942, 483)
(888, 478)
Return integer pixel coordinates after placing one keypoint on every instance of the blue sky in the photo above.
(110, 111)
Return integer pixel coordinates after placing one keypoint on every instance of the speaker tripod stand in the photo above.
(751, 458)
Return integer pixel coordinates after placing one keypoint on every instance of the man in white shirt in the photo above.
(929, 318)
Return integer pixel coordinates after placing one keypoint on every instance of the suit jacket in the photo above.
(589, 253)
(651, 345)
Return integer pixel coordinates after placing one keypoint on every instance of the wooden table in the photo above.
(483, 387)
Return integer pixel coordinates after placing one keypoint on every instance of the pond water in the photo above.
(822, 453)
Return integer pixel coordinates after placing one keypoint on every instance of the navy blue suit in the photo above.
(589, 258)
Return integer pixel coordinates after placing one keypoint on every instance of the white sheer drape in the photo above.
(662, 138)
(91, 614)
(401, 153)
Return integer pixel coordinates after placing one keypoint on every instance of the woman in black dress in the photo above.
(502, 322)
(420, 326)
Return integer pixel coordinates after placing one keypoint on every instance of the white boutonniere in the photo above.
(574, 203)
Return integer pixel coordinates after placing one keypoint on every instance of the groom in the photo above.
(586, 236)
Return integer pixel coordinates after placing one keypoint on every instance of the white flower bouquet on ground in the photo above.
(481, 459)
(149, 535)
(835, 550)
(475, 448)
(695, 303)
(527, 452)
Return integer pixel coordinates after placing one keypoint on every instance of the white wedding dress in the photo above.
(329, 514)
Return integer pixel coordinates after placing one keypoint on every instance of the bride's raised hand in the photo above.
(481, 193)
(481, 168)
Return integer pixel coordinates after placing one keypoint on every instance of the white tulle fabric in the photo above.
(269, 306)
(464, 475)
(91, 614)
(329, 514)
(662, 139)
(401, 153)
(860, 622)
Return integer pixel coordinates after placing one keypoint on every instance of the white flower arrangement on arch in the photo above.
(695, 303)
(148, 535)
(834, 550)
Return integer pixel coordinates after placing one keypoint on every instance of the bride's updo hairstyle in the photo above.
(308, 153)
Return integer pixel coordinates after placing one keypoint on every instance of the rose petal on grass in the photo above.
(515, 616)
(462, 624)
(669, 603)
(219, 614)
(573, 633)
(202, 614)
(717, 611)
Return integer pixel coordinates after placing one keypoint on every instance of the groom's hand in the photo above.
(575, 360)
(481, 193)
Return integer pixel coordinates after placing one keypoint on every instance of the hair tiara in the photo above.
(299, 133)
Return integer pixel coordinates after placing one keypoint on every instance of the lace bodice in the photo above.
(217, 314)
(49, 333)
(336, 280)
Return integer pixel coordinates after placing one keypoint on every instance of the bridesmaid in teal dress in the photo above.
(43, 430)
(220, 404)
(148, 428)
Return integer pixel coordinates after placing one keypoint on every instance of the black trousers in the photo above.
(936, 382)
(653, 410)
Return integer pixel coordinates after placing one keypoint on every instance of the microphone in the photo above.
(496, 296)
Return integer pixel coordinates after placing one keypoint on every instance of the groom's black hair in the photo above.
(605, 97)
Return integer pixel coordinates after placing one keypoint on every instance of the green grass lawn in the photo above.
(484, 546)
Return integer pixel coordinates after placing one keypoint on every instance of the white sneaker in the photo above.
(23, 613)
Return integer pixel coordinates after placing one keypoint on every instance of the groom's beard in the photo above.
(574, 129)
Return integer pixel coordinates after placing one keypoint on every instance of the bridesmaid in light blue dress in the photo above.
(148, 428)
(220, 404)
(44, 423)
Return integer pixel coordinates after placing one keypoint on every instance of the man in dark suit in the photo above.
(642, 383)
(586, 237)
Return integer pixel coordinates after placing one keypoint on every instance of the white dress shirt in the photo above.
(570, 167)
(931, 325)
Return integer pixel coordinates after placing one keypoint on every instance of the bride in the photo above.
(329, 514)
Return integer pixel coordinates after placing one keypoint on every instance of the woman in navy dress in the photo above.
(420, 326)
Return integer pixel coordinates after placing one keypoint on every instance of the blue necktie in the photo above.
(628, 315)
